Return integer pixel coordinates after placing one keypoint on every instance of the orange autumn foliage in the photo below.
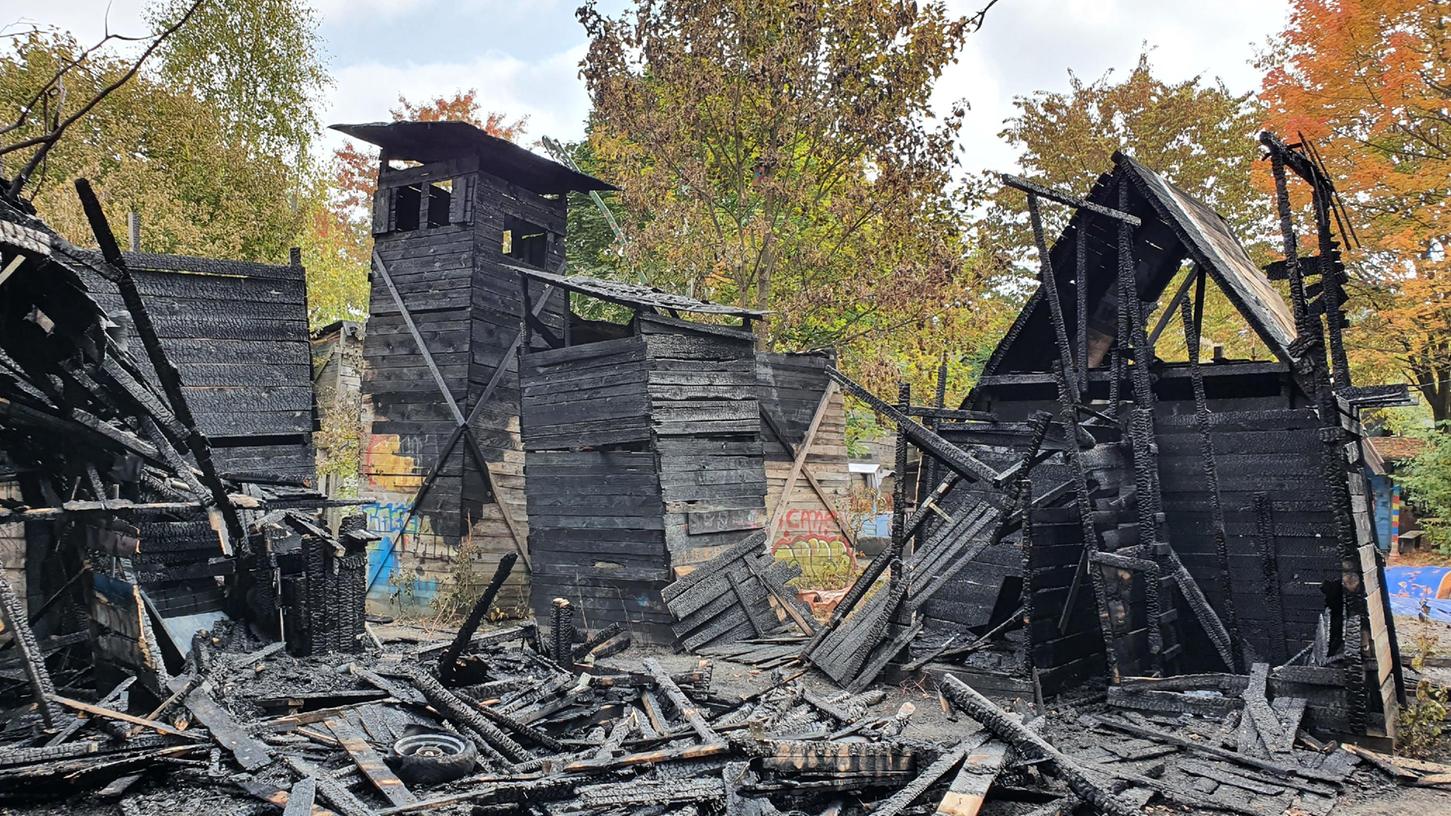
(356, 167)
(1369, 83)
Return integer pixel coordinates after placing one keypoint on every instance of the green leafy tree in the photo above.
(149, 147)
(256, 62)
(1428, 482)
(783, 155)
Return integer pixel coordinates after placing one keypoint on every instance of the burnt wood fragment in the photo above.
(1030, 744)
(448, 662)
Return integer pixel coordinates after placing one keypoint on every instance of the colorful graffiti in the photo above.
(386, 579)
(806, 523)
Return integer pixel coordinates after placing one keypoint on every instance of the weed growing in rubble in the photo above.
(468, 574)
(1422, 731)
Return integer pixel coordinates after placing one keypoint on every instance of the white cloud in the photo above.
(1030, 45)
(548, 91)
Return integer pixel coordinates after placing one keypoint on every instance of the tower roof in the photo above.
(440, 141)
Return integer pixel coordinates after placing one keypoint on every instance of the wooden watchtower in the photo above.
(443, 461)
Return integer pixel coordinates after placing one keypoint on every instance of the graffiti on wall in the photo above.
(801, 523)
(811, 538)
(387, 579)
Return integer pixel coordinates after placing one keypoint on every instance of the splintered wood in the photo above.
(740, 594)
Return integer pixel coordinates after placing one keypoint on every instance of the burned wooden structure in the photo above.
(146, 482)
(643, 447)
(236, 334)
(1092, 510)
(1219, 513)
(454, 208)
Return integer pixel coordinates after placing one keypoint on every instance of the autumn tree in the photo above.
(1369, 83)
(1196, 132)
(783, 155)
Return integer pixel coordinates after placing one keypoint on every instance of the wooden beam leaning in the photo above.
(167, 373)
(1030, 188)
(961, 462)
(12, 614)
(1048, 283)
(842, 523)
(798, 461)
(461, 429)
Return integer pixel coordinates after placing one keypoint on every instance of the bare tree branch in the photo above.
(48, 140)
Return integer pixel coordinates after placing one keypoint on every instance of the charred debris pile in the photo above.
(1164, 572)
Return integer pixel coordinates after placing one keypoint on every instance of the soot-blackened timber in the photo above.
(443, 460)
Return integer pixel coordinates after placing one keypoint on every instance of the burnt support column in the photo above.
(1309, 342)
(1211, 478)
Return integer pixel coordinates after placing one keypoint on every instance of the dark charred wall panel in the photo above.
(449, 256)
(237, 332)
(706, 424)
(643, 456)
(596, 537)
(1274, 452)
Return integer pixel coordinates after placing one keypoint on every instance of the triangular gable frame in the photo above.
(1210, 244)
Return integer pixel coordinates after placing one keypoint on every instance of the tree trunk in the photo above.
(1434, 383)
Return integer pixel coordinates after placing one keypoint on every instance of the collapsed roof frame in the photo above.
(1107, 428)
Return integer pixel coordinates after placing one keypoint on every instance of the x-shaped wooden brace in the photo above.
(799, 468)
(461, 429)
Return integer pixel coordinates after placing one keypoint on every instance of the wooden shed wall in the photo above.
(237, 333)
(1276, 452)
(643, 456)
(409, 420)
(985, 590)
(790, 386)
(706, 425)
(597, 520)
(496, 311)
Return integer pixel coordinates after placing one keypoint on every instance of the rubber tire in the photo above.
(413, 759)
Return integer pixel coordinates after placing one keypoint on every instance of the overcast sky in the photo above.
(522, 56)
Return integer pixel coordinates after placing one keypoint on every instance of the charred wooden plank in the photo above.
(300, 800)
(1030, 744)
(969, 789)
(371, 764)
(687, 709)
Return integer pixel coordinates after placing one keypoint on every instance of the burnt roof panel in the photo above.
(439, 141)
(635, 296)
(1176, 226)
(1212, 245)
